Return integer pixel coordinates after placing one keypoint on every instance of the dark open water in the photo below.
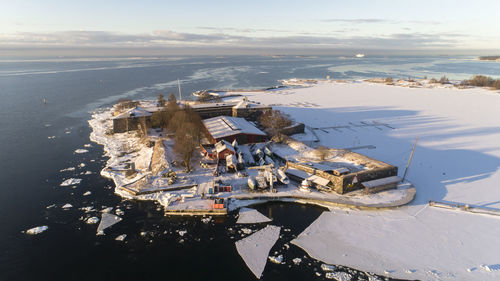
(70, 250)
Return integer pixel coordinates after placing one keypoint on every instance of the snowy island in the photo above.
(343, 145)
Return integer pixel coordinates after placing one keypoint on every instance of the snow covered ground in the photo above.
(457, 159)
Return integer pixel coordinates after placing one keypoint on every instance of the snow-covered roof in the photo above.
(133, 112)
(223, 145)
(210, 105)
(224, 126)
(319, 180)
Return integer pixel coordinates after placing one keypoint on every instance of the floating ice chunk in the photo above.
(69, 169)
(67, 206)
(121, 237)
(88, 173)
(87, 145)
(37, 230)
(107, 210)
(255, 248)
(248, 215)
(119, 212)
(328, 267)
(51, 137)
(374, 278)
(92, 220)
(87, 193)
(70, 181)
(206, 220)
(338, 276)
(276, 259)
(181, 232)
(246, 230)
(50, 206)
(80, 151)
(87, 209)
(297, 261)
(81, 165)
(107, 220)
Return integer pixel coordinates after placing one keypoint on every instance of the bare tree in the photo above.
(187, 139)
(322, 152)
(275, 121)
(161, 101)
(188, 129)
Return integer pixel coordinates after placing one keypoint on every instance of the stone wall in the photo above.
(343, 184)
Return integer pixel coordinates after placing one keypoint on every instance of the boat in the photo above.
(267, 151)
(305, 186)
(282, 177)
(199, 93)
(360, 55)
(251, 183)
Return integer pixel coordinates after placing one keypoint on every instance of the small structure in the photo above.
(219, 203)
(231, 163)
(232, 128)
(381, 184)
(223, 149)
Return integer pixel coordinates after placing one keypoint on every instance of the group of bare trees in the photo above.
(275, 122)
(184, 123)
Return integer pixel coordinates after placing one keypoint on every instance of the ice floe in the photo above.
(338, 276)
(81, 150)
(248, 215)
(71, 181)
(297, 261)
(92, 220)
(87, 193)
(37, 230)
(107, 220)
(69, 169)
(121, 237)
(246, 230)
(276, 259)
(328, 267)
(255, 248)
(67, 206)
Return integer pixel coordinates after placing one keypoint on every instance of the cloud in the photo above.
(376, 20)
(169, 38)
(356, 20)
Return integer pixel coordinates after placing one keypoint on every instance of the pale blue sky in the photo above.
(243, 25)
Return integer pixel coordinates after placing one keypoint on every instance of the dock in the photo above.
(464, 208)
(141, 191)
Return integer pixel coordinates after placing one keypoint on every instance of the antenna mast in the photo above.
(179, 86)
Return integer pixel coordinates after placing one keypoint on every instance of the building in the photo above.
(232, 128)
(130, 120)
(223, 149)
(244, 108)
(374, 175)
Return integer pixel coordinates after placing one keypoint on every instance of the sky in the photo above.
(247, 27)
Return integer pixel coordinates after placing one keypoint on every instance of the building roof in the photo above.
(223, 145)
(133, 112)
(224, 126)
